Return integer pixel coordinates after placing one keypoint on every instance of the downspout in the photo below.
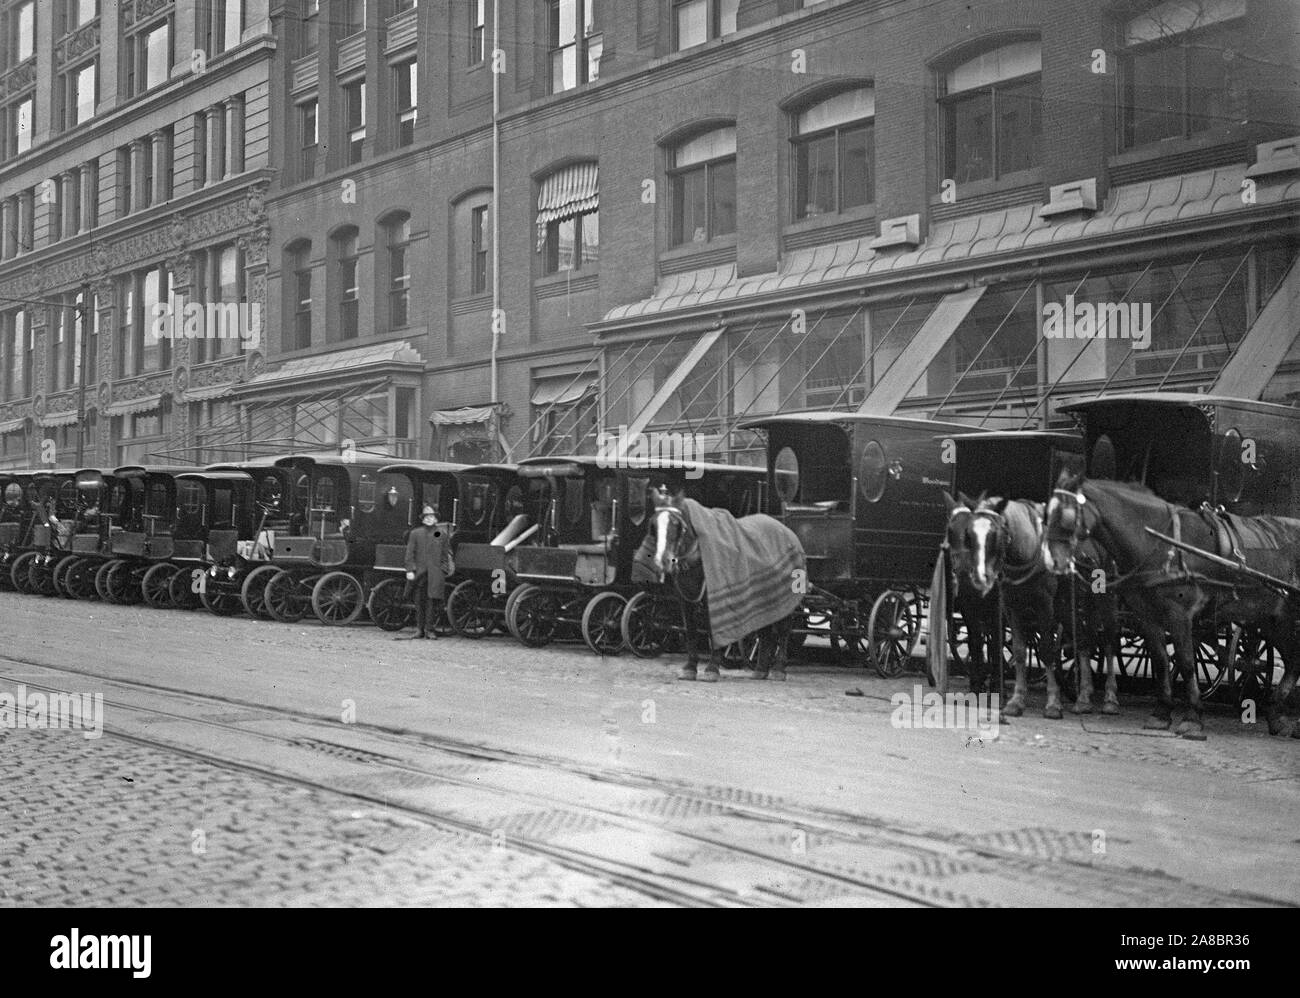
(496, 196)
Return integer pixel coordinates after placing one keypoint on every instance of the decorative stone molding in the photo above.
(1273, 159)
(1076, 197)
(77, 44)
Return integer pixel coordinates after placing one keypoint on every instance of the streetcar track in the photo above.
(863, 830)
(571, 858)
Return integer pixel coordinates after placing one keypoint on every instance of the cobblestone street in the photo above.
(249, 763)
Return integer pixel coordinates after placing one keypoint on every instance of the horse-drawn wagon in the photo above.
(1217, 473)
(576, 573)
(864, 494)
(143, 505)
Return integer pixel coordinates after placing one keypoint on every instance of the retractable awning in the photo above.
(10, 425)
(565, 193)
(559, 391)
(128, 407)
(889, 392)
(68, 418)
(464, 416)
(206, 393)
(1257, 357)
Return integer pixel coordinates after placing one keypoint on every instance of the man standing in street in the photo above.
(428, 563)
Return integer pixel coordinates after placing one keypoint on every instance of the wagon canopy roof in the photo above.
(823, 417)
(129, 470)
(1183, 399)
(533, 467)
(1060, 437)
(330, 459)
(216, 475)
(424, 467)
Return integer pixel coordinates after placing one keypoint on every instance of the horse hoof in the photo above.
(756, 674)
(1109, 707)
(1013, 709)
(1081, 707)
(1193, 731)
(1154, 723)
(709, 675)
(777, 677)
(686, 674)
(1052, 712)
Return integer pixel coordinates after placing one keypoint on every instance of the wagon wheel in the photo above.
(221, 602)
(646, 625)
(156, 585)
(41, 577)
(253, 591)
(534, 615)
(602, 623)
(465, 610)
(20, 572)
(1250, 665)
(285, 601)
(61, 574)
(893, 629)
(388, 606)
(79, 580)
(337, 598)
(121, 584)
(101, 581)
(847, 633)
(1212, 665)
(181, 588)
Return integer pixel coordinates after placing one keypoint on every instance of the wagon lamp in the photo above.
(391, 496)
(230, 572)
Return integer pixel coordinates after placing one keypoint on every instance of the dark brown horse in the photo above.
(1169, 590)
(674, 551)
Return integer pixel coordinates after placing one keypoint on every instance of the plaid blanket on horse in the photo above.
(749, 566)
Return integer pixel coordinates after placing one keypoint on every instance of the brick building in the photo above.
(498, 232)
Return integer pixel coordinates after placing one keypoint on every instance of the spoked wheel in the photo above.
(284, 598)
(602, 623)
(121, 584)
(253, 592)
(20, 572)
(61, 574)
(388, 606)
(223, 602)
(101, 581)
(337, 598)
(156, 585)
(41, 577)
(79, 579)
(848, 635)
(742, 654)
(647, 624)
(894, 628)
(1250, 665)
(1212, 667)
(533, 615)
(465, 610)
(185, 587)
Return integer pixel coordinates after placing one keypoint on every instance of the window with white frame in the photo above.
(406, 76)
(349, 285)
(149, 56)
(354, 102)
(992, 113)
(397, 234)
(477, 31)
(703, 187)
(15, 328)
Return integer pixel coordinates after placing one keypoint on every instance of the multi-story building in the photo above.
(134, 162)
(499, 232)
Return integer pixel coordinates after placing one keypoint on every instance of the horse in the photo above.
(673, 548)
(996, 542)
(1168, 589)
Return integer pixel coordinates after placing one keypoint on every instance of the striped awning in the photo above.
(127, 407)
(563, 391)
(570, 191)
(461, 417)
(60, 418)
(10, 425)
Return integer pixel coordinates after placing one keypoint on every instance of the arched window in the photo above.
(397, 236)
(568, 218)
(297, 283)
(347, 293)
(834, 154)
(992, 113)
(703, 182)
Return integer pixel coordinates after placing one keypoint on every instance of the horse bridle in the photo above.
(673, 511)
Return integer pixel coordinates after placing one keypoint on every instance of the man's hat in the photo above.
(428, 511)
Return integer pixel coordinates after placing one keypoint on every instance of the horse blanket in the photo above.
(750, 567)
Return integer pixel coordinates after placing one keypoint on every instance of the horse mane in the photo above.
(1135, 491)
(1023, 517)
